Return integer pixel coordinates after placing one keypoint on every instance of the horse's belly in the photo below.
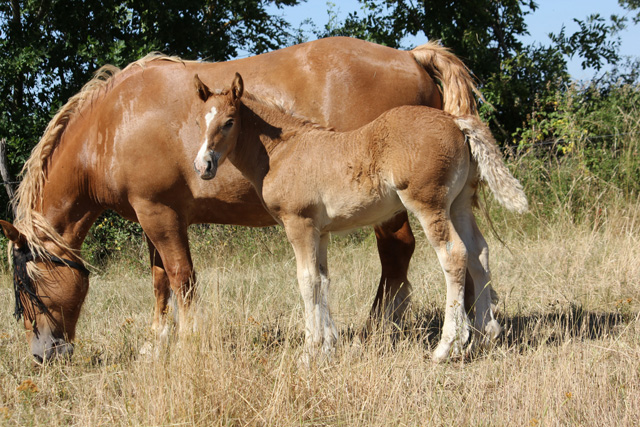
(350, 212)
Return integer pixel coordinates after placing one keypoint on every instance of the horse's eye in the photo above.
(228, 124)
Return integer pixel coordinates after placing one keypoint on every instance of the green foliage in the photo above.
(591, 42)
(631, 5)
(50, 48)
(579, 153)
(111, 236)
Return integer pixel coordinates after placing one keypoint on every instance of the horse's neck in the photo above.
(65, 206)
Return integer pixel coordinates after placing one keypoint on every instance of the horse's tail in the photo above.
(484, 149)
(457, 85)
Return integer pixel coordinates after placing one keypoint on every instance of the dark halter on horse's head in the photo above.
(23, 286)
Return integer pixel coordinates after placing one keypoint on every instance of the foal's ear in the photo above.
(237, 87)
(203, 91)
(12, 233)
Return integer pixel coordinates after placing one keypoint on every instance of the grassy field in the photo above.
(568, 278)
(570, 353)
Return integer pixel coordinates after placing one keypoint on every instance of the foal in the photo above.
(315, 181)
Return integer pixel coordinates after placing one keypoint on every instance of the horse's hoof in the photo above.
(492, 330)
(441, 353)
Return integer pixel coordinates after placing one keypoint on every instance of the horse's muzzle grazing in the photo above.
(207, 165)
(46, 348)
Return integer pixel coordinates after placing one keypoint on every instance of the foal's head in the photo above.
(221, 113)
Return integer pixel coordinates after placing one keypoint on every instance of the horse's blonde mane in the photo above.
(28, 198)
(154, 56)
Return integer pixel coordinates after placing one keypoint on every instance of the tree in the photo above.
(50, 48)
(631, 5)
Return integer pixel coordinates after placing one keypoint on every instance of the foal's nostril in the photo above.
(38, 359)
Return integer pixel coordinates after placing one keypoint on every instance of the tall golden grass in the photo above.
(568, 278)
(570, 354)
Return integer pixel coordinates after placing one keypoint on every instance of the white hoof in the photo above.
(441, 353)
(492, 330)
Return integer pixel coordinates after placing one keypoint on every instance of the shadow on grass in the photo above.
(523, 332)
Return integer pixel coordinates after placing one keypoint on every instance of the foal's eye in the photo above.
(228, 124)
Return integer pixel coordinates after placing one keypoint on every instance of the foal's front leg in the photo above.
(310, 250)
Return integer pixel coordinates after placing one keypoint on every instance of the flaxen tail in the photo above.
(484, 149)
(458, 86)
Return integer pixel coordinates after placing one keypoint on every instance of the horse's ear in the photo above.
(237, 88)
(203, 91)
(12, 233)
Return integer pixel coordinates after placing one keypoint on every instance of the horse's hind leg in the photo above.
(452, 255)
(310, 250)
(395, 248)
(486, 328)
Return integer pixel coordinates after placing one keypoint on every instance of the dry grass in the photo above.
(570, 354)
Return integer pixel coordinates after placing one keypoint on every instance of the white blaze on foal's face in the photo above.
(203, 154)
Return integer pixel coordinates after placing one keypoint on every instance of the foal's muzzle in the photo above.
(207, 165)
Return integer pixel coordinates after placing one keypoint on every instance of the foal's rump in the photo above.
(429, 148)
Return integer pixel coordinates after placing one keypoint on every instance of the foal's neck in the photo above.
(275, 123)
(265, 128)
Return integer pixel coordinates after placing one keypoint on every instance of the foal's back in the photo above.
(346, 180)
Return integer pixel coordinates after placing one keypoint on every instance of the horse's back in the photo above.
(143, 130)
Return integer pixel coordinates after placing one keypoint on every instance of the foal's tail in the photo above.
(457, 85)
(504, 186)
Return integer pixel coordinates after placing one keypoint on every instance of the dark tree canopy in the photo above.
(486, 34)
(50, 48)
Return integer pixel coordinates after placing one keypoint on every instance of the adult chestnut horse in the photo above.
(126, 142)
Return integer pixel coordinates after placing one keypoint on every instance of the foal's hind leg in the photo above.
(452, 255)
(486, 327)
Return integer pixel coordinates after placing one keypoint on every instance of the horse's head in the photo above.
(221, 113)
(50, 286)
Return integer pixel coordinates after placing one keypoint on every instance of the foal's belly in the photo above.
(347, 212)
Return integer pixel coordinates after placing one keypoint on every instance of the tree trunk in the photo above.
(7, 178)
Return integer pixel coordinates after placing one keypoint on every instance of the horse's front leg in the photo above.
(166, 229)
(310, 252)
(330, 333)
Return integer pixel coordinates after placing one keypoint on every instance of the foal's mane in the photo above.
(28, 198)
(288, 111)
